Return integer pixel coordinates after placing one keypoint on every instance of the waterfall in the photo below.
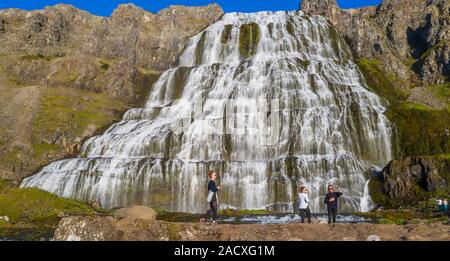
(270, 100)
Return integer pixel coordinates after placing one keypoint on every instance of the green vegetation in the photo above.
(442, 92)
(44, 148)
(104, 65)
(421, 129)
(410, 62)
(67, 113)
(31, 57)
(402, 217)
(249, 36)
(243, 212)
(71, 111)
(377, 193)
(33, 213)
(200, 49)
(226, 34)
(379, 81)
(444, 156)
(36, 205)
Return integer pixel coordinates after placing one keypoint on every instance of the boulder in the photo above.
(136, 212)
(92, 228)
(403, 182)
(373, 238)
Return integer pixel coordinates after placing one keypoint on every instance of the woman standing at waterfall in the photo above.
(331, 199)
(212, 197)
(304, 205)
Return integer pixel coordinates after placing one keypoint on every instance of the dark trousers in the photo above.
(305, 212)
(332, 212)
(212, 210)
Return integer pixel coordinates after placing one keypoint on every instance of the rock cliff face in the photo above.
(74, 73)
(132, 42)
(408, 181)
(403, 34)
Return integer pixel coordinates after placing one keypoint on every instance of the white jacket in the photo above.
(303, 200)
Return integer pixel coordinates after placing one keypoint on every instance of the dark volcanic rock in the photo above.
(405, 182)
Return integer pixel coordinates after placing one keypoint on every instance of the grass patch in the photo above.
(243, 212)
(397, 217)
(416, 106)
(31, 57)
(410, 62)
(44, 148)
(444, 156)
(104, 65)
(34, 205)
(421, 129)
(71, 111)
(12, 157)
(379, 81)
(442, 92)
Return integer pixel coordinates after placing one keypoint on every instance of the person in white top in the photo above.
(304, 205)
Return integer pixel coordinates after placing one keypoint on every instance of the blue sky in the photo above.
(105, 7)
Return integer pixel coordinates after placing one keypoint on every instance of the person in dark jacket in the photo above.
(212, 198)
(331, 199)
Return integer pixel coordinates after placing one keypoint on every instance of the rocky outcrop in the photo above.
(149, 40)
(130, 39)
(135, 223)
(397, 32)
(408, 181)
(434, 67)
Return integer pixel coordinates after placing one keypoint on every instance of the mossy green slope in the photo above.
(34, 205)
(421, 130)
(249, 36)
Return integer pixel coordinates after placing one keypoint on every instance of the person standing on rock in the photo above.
(212, 198)
(304, 205)
(331, 199)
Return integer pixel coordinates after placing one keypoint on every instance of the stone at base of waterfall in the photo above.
(136, 212)
(94, 204)
(61, 214)
(373, 238)
(5, 218)
(92, 228)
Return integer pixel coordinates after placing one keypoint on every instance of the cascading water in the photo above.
(270, 100)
